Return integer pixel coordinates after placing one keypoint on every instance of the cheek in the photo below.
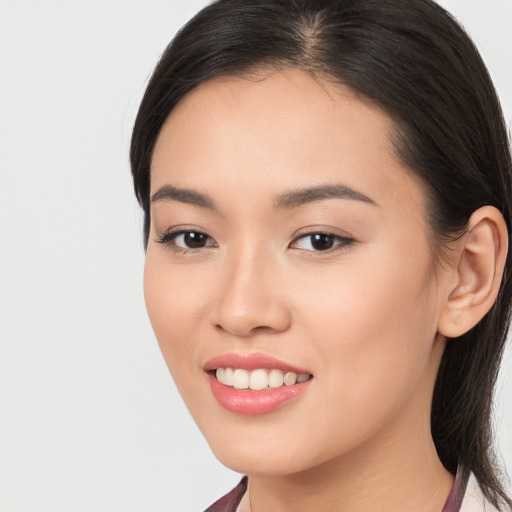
(374, 331)
(172, 304)
(173, 300)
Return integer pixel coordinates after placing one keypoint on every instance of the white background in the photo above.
(89, 417)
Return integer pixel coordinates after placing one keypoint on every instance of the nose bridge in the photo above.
(249, 300)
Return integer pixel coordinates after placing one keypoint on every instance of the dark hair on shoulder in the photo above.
(413, 60)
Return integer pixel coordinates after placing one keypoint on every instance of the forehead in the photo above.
(290, 103)
(276, 130)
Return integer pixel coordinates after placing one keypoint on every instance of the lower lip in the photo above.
(253, 403)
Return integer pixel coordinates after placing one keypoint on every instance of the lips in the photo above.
(256, 383)
(250, 362)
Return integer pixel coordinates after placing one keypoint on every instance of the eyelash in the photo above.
(168, 239)
(339, 242)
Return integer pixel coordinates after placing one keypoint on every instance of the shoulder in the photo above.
(474, 500)
(230, 502)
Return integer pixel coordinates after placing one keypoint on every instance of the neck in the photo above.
(415, 481)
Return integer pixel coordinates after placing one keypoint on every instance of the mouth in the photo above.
(253, 384)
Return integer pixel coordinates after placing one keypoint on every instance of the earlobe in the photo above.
(479, 268)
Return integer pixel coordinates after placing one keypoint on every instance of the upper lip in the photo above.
(250, 361)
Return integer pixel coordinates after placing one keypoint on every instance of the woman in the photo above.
(327, 195)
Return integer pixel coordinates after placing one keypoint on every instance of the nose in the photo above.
(251, 298)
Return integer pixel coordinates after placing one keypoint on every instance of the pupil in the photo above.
(195, 240)
(322, 242)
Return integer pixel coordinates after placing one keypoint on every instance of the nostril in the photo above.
(248, 310)
(241, 331)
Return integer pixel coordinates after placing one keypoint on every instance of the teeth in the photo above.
(228, 377)
(240, 379)
(290, 378)
(257, 380)
(221, 375)
(275, 378)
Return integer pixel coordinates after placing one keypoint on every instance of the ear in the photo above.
(480, 260)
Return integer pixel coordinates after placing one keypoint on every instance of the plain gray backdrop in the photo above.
(89, 417)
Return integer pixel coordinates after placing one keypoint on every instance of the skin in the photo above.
(362, 317)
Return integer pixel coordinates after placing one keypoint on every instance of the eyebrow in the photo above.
(296, 198)
(184, 195)
(288, 200)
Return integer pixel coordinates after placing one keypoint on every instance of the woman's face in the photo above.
(287, 238)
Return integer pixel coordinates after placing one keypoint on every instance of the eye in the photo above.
(321, 242)
(186, 240)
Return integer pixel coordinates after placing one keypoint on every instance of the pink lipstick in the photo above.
(256, 383)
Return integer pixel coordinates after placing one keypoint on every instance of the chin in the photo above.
(269, 452)
(258, 462)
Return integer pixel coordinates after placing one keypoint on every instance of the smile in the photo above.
(259, 379)
(255, 383)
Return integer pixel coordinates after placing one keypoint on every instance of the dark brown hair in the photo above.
(413, 60)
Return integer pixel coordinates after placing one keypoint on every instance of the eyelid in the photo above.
(343, 240)
(171, 234)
